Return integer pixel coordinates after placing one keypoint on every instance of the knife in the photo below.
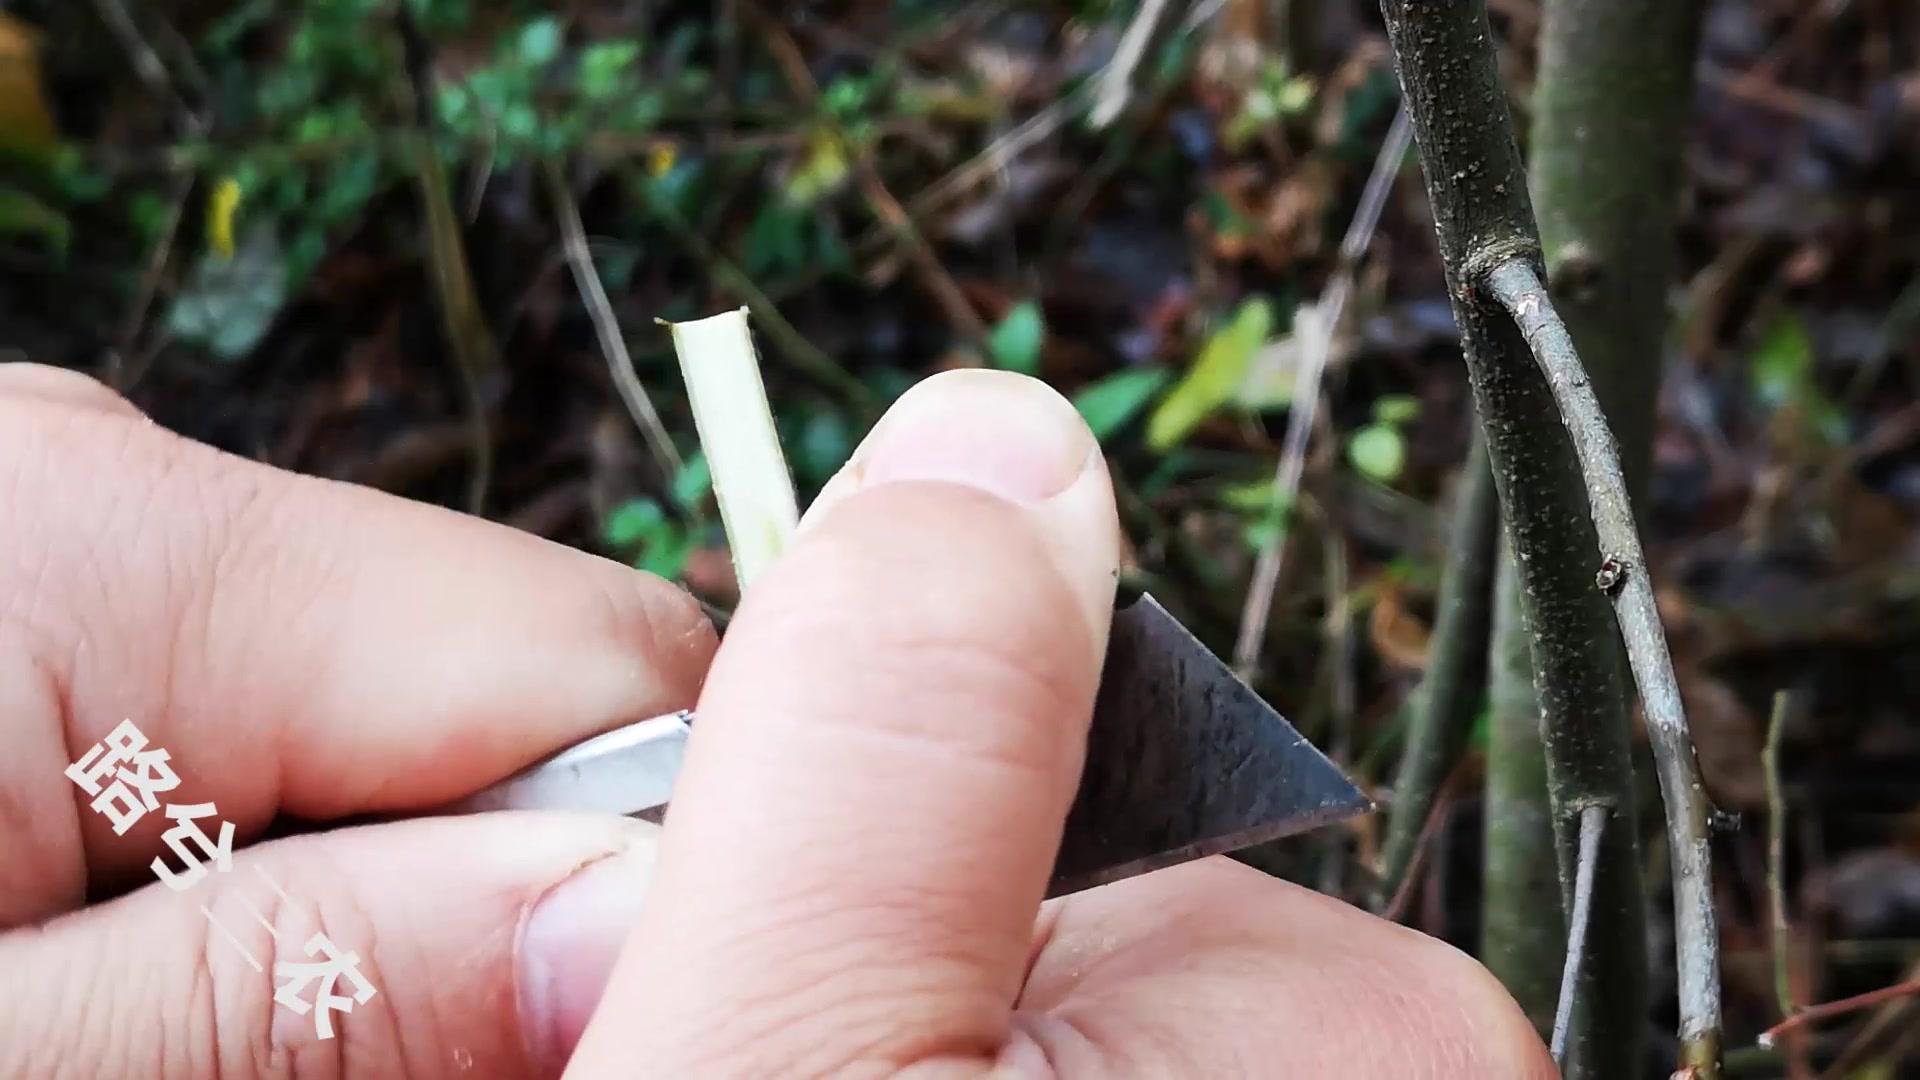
(1183, 761)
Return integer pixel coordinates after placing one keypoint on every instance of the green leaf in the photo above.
(1782, 369)
(540, 41)
(1215, 376)
(23, 215)
(692, 483)
(1015, 343)
(824, 445)
(665, 555)
(604, 67)
(632, 522)
(1108, 405)
(228, 304)
(1379, 452)
(1395, 409)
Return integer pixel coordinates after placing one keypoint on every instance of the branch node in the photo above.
(1612, 575)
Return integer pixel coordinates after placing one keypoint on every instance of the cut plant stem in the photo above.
(737, 432)
(1516, 284)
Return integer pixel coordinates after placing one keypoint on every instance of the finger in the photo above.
(61, 386)
(887, 747)
(1215, 969)
(485, 941)
(297, 646)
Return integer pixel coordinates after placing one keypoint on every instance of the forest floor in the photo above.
(335, 240)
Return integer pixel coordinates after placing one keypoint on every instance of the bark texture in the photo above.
(1484, 217)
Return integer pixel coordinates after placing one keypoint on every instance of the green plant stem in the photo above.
(1523, 936)
(1451, 691)
(1609, 123)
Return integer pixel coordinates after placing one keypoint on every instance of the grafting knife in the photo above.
(1183, 761)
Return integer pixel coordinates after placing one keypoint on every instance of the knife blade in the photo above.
(1183, 760)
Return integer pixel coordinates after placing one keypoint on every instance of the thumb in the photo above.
(482, 942)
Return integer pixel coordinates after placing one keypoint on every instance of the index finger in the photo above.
(298, 646)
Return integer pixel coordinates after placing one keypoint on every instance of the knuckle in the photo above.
(249, 1033)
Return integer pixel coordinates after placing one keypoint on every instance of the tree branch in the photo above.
(1623, 575)
(1452, 688)
(1451, 84)
(1593, 821)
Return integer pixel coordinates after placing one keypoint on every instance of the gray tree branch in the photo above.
(1484, 218)
(1623, 575)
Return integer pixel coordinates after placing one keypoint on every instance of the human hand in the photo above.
(857, 849)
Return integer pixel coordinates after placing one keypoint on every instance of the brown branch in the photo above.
(1831, 1009)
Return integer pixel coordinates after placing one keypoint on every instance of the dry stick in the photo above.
(1306, 394)
(1624, 575)
(1115, 83)
(146, 61)
(1593, 819)
(1831, 1009)
(1442, 803)
(1776, 854)
(606, 326)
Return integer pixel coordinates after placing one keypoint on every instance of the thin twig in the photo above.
(1115, 83)
(146, 61)
(1831, 1009)
(1515, 282)
(470, 342)
(134, 366)
(1306, 391)
(1776, 854)
(606, 326)
(1593, 820)
(934, 278)
(1443, 799)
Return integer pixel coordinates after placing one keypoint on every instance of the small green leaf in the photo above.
(539, 42)
(604, 67)
(632, 522)
(1015, 343)
(1379, 452)
(1395, 409)
(1214, 378)
(824, 445)
(228, 304)
(665, 555)
(1782, 368)
(23, 215)
(692, 483)
(1108, 405)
